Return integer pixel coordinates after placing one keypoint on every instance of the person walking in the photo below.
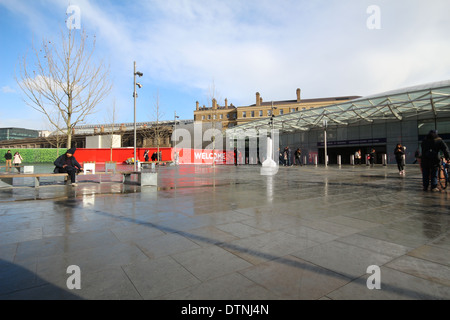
(372, 156)
(281, 157)
(8, 159)
(146, 157)
(417, 156)
(298, 157)
(431, 146)
(358, 157)
(399, 153)
(287, 156)
(68, 164)
(17, 160)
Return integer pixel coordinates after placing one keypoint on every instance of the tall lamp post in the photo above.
(175, 137)
(325, 141)
(140, 74)
(272, 124)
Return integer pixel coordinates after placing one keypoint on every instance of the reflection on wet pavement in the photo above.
(228, 233)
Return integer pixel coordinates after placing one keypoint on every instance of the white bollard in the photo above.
(384, 157)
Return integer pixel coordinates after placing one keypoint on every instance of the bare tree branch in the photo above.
(64, 82)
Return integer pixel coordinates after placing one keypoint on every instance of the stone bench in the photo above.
(9, 178)
(144, 178)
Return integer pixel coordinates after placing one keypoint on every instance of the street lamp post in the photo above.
(140, 74)
(325, 141)
(272, 116)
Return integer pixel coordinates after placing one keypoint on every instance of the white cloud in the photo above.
(322, 47)
(8, 89)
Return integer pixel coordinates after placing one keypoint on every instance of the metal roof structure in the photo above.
(423, 101)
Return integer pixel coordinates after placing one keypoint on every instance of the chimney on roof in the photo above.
(226, 103)
(298, 94)
(214, 103)
(196, 105)
(258, 99)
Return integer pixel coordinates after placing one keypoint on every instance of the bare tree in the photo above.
(156, 131)
(64, 80)
(112, 121)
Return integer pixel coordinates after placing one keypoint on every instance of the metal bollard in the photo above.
(352, 159)
(315, 161)
(339, 160)
(384, 159)
(305, 161)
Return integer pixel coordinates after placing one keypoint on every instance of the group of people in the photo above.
(11, 159)
(370, 157)
(285, 157)
(430, 159)
(155, 156)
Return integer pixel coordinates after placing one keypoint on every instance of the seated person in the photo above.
(68, 164)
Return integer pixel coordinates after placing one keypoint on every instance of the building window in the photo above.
(209, 117)
(214, 117)
(221, 116)
(293, 109)
(260, 113)
(244, 114)
(253, 114)
(228, 116)
(203, 117)
(281, 112)
(269, 113)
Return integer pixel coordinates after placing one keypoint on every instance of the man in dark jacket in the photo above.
(8, 160)
(68, 164)
(431, 146)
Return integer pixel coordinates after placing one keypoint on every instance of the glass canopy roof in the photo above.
(423, 101)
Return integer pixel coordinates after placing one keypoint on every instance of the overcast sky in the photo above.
(184, 48)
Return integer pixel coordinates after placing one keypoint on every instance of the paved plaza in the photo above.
(229, 233)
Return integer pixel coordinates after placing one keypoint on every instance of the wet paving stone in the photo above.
(306, 233)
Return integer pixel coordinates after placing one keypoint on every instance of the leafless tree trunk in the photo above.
(64, 80)
(112, 122)
(56, 137)
(157, 115)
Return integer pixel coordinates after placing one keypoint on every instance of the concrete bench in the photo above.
(9, 178)
(153, 163)
(143, 179)
(21, 169)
